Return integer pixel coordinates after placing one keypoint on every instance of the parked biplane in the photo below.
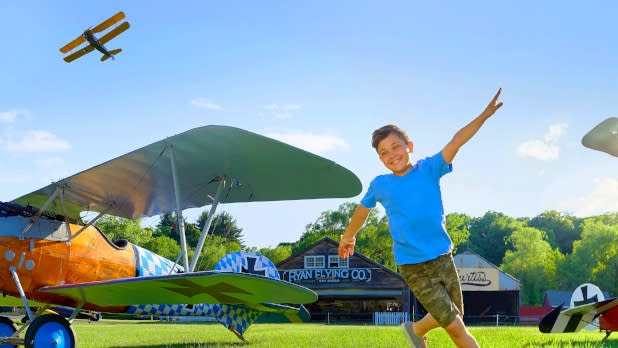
(94, 43)
(589, 307)
(49, 255)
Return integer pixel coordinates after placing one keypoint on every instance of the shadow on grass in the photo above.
(196, 345)
(574, 344)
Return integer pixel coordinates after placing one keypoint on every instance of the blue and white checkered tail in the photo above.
(238, 318)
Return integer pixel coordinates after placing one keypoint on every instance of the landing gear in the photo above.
(7, 329)
(50, 330)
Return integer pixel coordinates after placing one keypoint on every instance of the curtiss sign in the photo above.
(326, 275)
(484, 279)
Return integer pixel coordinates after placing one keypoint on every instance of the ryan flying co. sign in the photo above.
(326, 275)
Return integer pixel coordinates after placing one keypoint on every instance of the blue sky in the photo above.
(322, 75)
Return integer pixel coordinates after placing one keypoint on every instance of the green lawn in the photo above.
(154, 334)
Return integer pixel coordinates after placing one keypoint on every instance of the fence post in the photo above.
(497, 319)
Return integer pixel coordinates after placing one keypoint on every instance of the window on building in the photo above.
(314, 261)
(334, 261)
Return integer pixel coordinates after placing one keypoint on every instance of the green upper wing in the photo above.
(188, 288)
(140, 183)
(603, 137)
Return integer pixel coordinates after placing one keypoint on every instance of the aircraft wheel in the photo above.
(7, 328)
(50, 330)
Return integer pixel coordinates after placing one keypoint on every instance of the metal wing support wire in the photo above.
(211, 214)
(179, 220)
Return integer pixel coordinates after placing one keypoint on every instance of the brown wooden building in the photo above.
(354, 289)
(349, 289)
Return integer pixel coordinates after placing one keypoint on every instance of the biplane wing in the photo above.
(141, 183)
(78, 53)
(114, 32)
(574, 319)
(189, 288)
(102, 26)
(73, 44)
(108, 22)
(603, 137)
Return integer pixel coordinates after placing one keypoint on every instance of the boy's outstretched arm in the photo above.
(467, 132)
(348, 238)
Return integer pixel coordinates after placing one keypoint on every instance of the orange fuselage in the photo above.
(88, 256)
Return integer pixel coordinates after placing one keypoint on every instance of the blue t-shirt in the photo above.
(413, 204)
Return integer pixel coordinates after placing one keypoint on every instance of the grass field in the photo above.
(108, 333)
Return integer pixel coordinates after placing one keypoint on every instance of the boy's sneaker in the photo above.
(415, 341)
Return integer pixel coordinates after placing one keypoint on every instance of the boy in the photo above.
(412, 200)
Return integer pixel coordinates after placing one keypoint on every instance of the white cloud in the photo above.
(38, 141)
(539, 150)
(555, 132)
(205, 104)
(546, 149)
(282, 111)
(11, 115)
(315, 143)
(602, 199)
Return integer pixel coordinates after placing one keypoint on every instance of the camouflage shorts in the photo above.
(436, 285)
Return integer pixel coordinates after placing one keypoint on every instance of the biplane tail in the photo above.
(111, 54)
(586, 309)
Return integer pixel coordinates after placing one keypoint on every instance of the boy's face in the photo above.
(394, 152)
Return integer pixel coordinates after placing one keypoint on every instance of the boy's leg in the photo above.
(424, 325)
(460, 334)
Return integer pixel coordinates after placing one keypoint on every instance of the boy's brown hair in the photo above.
(382, 132)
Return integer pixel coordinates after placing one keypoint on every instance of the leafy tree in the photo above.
(331, 223)
(532, 261)
(277, 254)
(164, 246)
(595, 257)
(166, 225)
(223, 225)
(214, 249)
(116, 228)
(489, 235)
(458, 228)
(559, 228)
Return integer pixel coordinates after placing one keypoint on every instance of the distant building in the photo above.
(487, 290)
(353, 289)
(349, 289)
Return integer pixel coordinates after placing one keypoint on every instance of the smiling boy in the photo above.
(412, 200)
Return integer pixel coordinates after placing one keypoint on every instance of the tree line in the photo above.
(552, 250)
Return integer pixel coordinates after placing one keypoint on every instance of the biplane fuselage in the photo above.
(92, 40)
(89, 256)
(50, 258)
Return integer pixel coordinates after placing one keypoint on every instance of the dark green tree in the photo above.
(559, 229)
(223, 225)
(489, 235)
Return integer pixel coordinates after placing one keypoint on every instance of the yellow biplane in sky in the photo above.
(93, 43)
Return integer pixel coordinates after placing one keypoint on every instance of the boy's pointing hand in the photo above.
(493, 105)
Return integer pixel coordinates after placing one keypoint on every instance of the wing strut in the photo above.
(38, 214)
(179, 220)
(211, 214)
(90, 223)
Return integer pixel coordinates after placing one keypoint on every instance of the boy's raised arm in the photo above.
(467, 132)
